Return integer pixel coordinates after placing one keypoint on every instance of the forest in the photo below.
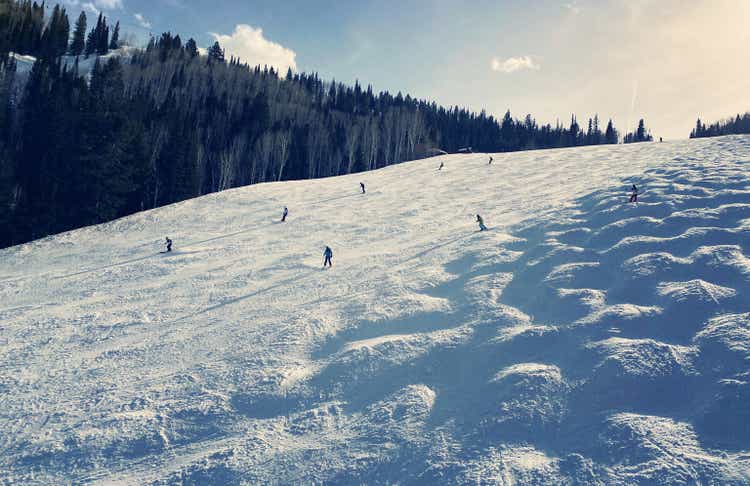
(731, 126)
(152, 126)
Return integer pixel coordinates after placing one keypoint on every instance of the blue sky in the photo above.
(666, 60)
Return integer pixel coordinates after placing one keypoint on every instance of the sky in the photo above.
(668, 61)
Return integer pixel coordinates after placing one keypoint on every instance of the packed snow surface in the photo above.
(581, 339)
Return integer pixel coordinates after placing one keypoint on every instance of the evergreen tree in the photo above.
(597, 139)
(114, 43)
(102, 42)
(216, 53)
(610, 135)
(573, 132)
(191, 48)
(78, 43)
(54, 40)
(94, 37)
(641, 131)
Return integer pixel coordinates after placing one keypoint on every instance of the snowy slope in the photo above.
(580, 340)
(85, 64)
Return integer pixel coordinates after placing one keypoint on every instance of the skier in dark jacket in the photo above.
(634, 194)
(362, 186)
(284, 215)
(490, 161)
(327, 255)
(482, 227)
(169, 244)
(441, 166)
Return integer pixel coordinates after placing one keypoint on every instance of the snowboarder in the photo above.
(169, 244)
(482, 227)
(327, 255)
(362, 186)
(634, 194)
(441, 166)
(490, 160)
(661, 140)
(284, 215)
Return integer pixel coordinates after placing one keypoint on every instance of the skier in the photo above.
(441, 166)
(634, 194)
(327, 255)
(661, 140)
(490, 160)
(283, 216)
(362, 186)
(482, 227)
(169, 245)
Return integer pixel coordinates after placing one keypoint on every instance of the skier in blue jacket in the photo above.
(327, 255)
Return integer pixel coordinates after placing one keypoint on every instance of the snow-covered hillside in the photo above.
(581, 340)
(85, 64)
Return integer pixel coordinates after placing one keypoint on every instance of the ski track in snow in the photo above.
(581, 339)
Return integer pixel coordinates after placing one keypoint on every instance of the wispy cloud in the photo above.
(90, 7)
(108, 4)
(513, 64)
(96, 6)
(142, 21)
(249, 44)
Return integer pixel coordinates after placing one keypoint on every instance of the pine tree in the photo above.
(78, 44)
(610, 135)
(216, 53)
(94, 37)
(102, 43)
(699, 130)
(191, 48)
(54, 40)
(640, 133)
(597, 131)
(115, 42)
(573, 131)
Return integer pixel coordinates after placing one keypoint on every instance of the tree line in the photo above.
(167, 123)
(25, 30)
(731, 126)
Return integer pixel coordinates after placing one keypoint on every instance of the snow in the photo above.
(24, 63)
(581, 340)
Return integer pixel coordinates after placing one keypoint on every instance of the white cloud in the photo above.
(248, 44)
(142, 21)
(108, 4)
(91, 8)
(96, 6)
(513, 64)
